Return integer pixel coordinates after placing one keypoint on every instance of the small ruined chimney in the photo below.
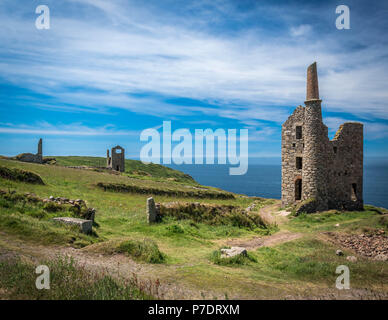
(312, 91)
(40, 153)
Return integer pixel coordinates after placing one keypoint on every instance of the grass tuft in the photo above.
(68, 281)
(146, 250)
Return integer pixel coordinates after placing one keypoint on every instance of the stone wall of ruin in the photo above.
(346, 167)
(332, 171)
(291, 148)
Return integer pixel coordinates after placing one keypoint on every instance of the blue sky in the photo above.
(106, 70)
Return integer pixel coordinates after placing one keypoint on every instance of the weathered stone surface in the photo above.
(313, 167)
(117, 160)
(381, 257)
(351, 258)
(368, 245)
(307, 206)
(151, 210)
(34, 158)
(312, 90)
(233, 251)
(339, 253)
(84, 225)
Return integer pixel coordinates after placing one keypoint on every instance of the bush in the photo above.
(175, 228)
(146, 250)
(20, 175)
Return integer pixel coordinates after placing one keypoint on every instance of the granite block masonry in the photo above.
(30, 157)
(117, 159)
(151, 210)
(327, 172)
(84, 225)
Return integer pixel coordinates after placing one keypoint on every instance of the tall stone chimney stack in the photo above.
(40, 152)
(312, 92)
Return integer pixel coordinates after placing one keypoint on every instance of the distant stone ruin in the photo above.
(317, 173)
(34, 158)
(117, 160)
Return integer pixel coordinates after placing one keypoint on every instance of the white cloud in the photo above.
(73, 129)
(301, 30)
(121, 49)
(372, 130)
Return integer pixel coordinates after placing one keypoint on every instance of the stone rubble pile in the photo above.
(374, 246)
(77, 203)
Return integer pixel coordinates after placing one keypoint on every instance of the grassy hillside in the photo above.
(133, 168)
(182, 251)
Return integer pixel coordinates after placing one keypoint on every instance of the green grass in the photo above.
(186, 244)
(146, 250)
(233, 261)
(31, 220)
(349, 221)
(133, 168)
(20, 175)
(68, 281)
(165, 191)
(313, 260)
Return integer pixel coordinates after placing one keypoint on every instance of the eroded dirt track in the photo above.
(257, 242)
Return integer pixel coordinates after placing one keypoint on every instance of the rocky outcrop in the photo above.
(233, 252)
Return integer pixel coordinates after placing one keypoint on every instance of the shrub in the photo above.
(146, 250)
(175, 228)
(20, 175)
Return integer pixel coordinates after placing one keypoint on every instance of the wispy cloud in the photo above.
(301, 30)
(372, 130)
(73, 129)
(123, 49)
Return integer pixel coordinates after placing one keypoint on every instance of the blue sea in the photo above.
(264, 180)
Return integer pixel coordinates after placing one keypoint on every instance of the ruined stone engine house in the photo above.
(326, 174)
(117, 160)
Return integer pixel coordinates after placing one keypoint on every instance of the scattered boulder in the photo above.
(339, 253)
(84, 225)
(233, 252)
(351, 258)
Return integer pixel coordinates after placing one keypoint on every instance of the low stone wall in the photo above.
(198, 193)
(55, 204)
